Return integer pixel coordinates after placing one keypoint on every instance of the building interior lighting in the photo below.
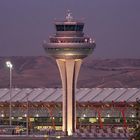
(108, 115)
(19, 118)
(86, 40)
(2, 115)
(132, 115)
(69, 54)
(84, 115)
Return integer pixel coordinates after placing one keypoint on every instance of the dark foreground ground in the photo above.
(53, 138)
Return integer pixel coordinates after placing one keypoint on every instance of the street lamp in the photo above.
(10, 66)
(27, 115)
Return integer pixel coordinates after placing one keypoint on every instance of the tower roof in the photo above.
(69, 20)
(69, 17)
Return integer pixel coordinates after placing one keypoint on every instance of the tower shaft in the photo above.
(69, 70)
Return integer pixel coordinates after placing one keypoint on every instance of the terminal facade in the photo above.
(95, 107)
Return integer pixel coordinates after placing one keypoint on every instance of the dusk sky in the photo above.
(115, 25)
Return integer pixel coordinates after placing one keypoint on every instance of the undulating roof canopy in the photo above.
(82, 94)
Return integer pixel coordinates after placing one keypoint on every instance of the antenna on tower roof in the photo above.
(69, 16)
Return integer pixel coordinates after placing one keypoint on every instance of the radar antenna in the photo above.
(69, 16)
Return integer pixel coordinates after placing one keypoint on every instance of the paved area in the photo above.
(4, 137)
(22, 138)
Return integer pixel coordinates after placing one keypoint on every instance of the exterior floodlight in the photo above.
(9, 64)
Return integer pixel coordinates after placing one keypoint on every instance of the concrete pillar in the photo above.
(69, 70)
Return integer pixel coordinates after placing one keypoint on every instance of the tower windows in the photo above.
(79, 27)
(69, 27)
(60, 27)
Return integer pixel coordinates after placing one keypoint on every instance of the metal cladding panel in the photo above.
(59, 99)
(47, 92)
(133, 98)
(82, 94)
(92, 93)
(116, 94)
(14, 92)
(34, 94)
(40, 91)
(47, 96)
(53, 96)
(22, 94)
(129, 93)
(105, 92)
(3, 92)
(6, 97)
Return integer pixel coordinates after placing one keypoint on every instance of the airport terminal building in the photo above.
(95, 107)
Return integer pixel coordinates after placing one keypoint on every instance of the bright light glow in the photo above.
(77, 60)
(62, 60)
(20, 118)
(84, 115)
(132, 115)
(69, 54)
(25, 115)
(90, 40)
(12, 118)
(2, 115)
(9, 64)
(37, 115)
(69, 132)
(58, 137)
(86, 40)
(108, 115)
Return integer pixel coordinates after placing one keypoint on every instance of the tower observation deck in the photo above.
(69, 46)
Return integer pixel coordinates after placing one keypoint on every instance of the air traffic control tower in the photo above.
(69, 47)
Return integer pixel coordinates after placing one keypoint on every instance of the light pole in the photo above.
(27, 117)
(10, 66)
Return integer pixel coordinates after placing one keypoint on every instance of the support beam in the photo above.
(69, 70)
(124, 118)
(99, 118)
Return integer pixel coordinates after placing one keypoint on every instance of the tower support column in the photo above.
(69, 70)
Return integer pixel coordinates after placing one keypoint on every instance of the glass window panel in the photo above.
(79, 28)
(70, 27)
(60, 27)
